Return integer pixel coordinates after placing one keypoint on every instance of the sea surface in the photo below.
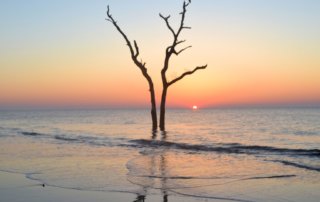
(266, 154)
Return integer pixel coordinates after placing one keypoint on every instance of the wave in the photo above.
(78, 139)
(297, 165)
(233, 148)
(210, 178)
(269, 177)
(230, 148)
(177, 177)
(82, 139)
(64, 138)
(32, 134)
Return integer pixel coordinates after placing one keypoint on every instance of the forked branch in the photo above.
(134, 50)
(186, 73)
(166, 19)
(111, 19)
(172, 48)
(181, 27)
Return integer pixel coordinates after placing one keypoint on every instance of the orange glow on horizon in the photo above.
(249, 62)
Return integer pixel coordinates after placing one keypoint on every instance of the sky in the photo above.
(64, 53)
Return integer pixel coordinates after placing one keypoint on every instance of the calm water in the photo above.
(218, 155)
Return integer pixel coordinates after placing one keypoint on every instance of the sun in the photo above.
(194, 107)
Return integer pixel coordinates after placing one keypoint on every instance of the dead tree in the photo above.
(172, 50)
(134, 51)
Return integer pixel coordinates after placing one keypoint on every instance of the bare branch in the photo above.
(179, 42)
(166, 19)
(134, 50)
(168, 49)
(110, 19)
(186, 73)
(137, 49)
(171, 49)
(180, 51)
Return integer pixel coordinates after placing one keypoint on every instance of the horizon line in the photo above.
(110, 107)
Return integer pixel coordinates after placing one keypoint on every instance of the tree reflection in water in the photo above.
(153, 167)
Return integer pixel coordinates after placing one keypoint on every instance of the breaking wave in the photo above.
(233, 148)
(229, 148)
(78, 139)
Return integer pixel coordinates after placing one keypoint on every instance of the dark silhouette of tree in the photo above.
(134, 51)
(170, 50)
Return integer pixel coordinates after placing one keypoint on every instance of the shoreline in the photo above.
(17, 187)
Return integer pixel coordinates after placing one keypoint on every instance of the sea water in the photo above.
(206, 154)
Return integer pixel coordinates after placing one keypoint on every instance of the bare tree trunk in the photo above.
(163, 108)
(153, 107)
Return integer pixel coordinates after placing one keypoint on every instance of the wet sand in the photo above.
(15, 187)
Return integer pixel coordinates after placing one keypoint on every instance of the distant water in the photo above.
(218, 154)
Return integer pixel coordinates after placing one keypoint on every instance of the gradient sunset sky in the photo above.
(64, 53)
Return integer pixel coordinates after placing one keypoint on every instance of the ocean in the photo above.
(247, 154)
